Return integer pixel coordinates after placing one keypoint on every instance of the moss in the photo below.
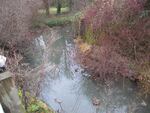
(35, 105)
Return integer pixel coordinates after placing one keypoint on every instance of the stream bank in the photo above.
(114, 41)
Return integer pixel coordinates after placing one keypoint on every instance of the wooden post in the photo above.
(9, 98)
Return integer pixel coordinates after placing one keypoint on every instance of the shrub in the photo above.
(122, 36)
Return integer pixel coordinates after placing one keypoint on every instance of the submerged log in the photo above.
(9, 98)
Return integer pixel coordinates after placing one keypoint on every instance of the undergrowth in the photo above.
(35, 105)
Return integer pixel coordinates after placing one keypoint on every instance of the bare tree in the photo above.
(80, 4)
(47, 5)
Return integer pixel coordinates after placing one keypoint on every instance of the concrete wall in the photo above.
(9, 98)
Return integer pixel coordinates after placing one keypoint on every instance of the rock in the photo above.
(2, 61)
(40, 42)
(96, 101)
(143, 103)
(83, 71)
(76, 70)
(58, 101)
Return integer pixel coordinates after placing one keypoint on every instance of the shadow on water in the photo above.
(67, 89)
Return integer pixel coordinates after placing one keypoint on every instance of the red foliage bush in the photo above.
(104, 12)
(121, 34)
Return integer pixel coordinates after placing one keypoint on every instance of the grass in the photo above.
(55, 20)
(58, 20)
(38, 106)
(89, 36)
(53, 10)
(62, 20)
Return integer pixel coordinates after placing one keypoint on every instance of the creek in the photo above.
(66, 87)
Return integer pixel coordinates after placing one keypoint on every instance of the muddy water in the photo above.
(67, 88)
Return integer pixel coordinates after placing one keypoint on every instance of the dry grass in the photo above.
(83, 46)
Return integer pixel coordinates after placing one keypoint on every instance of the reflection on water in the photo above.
(74, 92)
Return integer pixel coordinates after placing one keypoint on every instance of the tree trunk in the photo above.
(58, 6)
(71, 5)
(46, 4)
(147, 5)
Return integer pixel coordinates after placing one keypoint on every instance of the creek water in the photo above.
(67, 88)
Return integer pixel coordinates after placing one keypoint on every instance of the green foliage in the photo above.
(38, 107)
(62, 20)
(35, 105)
(55, 20)
(53, 10)
(89, 36)
(20, 93)
(37, 24)
(58, 21)
(33, 108)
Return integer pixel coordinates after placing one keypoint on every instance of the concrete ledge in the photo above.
(5, 75)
